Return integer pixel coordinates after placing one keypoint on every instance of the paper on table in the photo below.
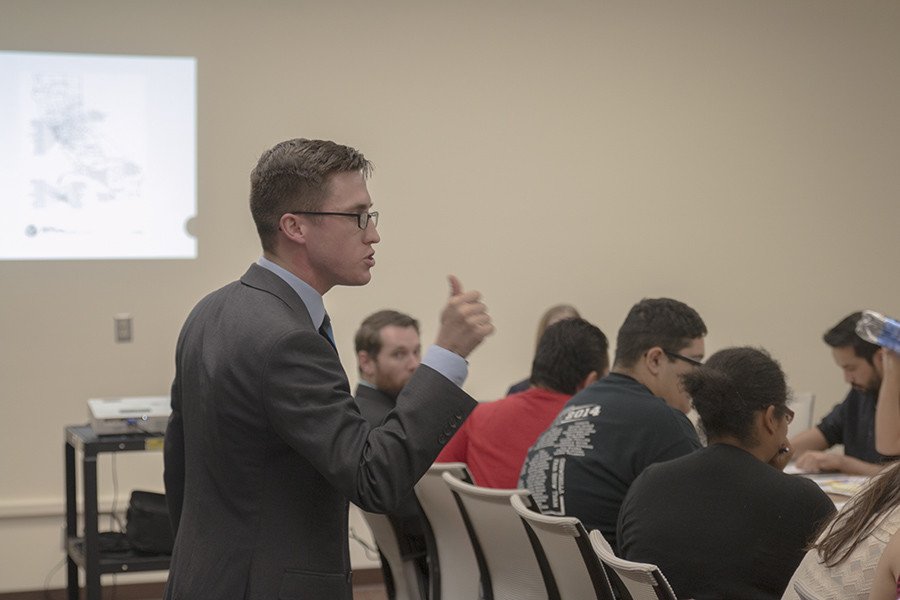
(837, 483)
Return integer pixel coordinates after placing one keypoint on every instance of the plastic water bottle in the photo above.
(878, 329)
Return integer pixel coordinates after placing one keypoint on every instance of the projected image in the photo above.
(97, 156)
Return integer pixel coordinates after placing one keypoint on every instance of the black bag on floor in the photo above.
(147, 526)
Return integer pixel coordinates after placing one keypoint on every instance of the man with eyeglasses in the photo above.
(583, 464)
(265, 446)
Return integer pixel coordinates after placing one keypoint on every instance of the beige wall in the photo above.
(740, 156)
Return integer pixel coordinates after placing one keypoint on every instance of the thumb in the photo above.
(455, 285)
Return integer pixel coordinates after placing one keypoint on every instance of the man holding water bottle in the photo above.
(852, 422)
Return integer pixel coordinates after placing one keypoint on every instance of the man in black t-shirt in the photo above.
(583, 464)
(852, 422)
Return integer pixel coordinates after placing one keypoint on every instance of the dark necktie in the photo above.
(325, 330)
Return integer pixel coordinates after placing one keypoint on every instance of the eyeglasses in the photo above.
(362, 219)
(688, 360)
(788, 413)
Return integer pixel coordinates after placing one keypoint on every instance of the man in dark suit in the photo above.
(388, 352)
(265, 446)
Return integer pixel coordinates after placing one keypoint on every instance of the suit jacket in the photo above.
(374, 405)
(407, 517)
(265, 447)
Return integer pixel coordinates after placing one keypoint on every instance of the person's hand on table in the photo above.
(817, 462)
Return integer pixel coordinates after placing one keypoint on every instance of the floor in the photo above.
(369, 592)
(153, 591)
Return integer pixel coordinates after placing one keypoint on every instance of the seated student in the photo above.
(552, 315)
(493, 441)
(841, 563)
(887, 417)
(388, 351)
(582, 465)
(886, 583)
(852, 422)
(725, 522)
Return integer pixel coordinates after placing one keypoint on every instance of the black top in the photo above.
(517, 387)
(605, 436)
(720, 523)
(852, 423)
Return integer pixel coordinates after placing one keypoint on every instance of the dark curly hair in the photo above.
(567, 353)
(652, 322)
(731, 387)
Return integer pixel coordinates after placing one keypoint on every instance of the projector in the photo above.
(139, 414)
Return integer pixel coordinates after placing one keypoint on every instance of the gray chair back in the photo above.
(502, 547)
(562, 542)
(644, 581)
(453, 568)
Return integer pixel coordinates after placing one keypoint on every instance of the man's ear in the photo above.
(366, 365)
(591, 378)
(653, 360)
(878, 361)
(292, 227)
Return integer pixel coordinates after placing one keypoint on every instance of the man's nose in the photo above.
(371, 236)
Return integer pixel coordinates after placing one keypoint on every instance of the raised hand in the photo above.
(464, 321)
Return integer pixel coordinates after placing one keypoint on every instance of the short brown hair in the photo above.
(295, 175)
(368, 336)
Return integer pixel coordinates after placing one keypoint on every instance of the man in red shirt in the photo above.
(495, 439)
